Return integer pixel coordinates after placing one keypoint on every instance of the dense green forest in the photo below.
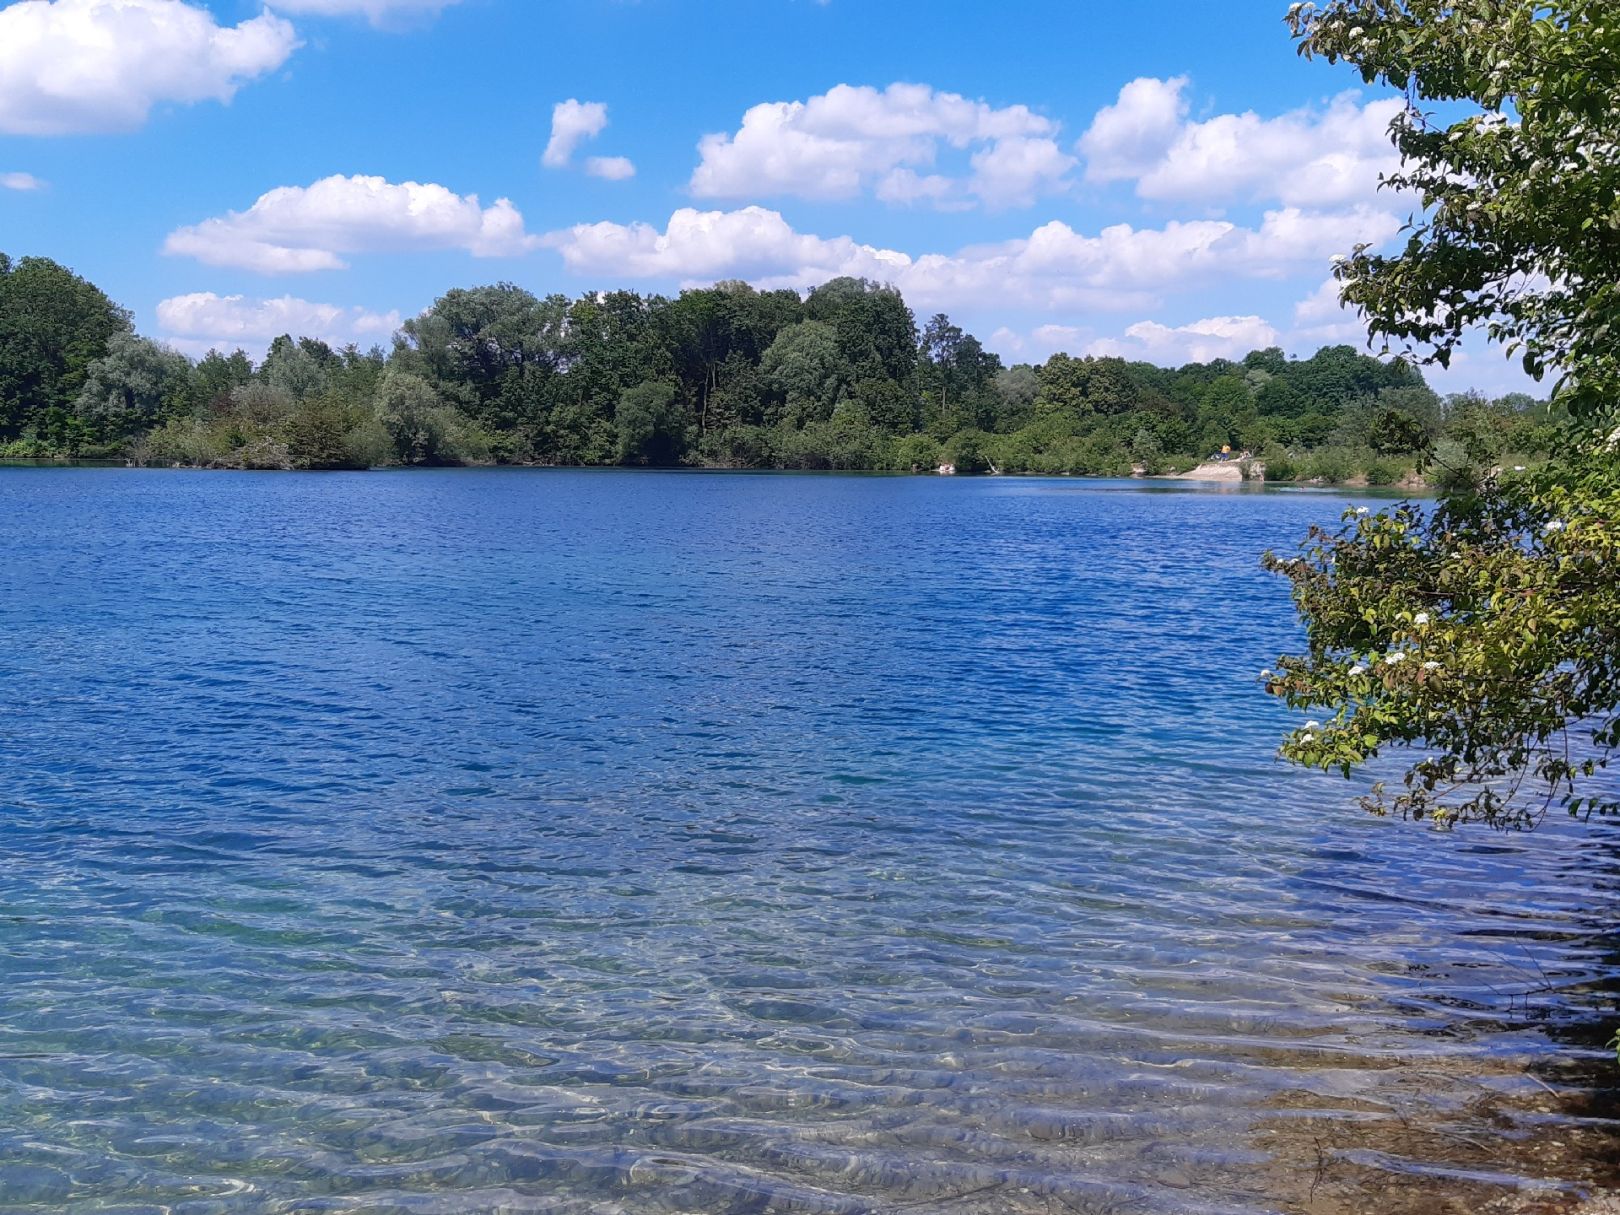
(725, 377)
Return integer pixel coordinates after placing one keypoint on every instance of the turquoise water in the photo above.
(607, 842)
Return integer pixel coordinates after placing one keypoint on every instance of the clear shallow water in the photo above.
(596, 842)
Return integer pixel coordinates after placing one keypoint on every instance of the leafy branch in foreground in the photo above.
(1484, 630)
(1519, 227)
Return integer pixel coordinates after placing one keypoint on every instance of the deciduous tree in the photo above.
(1484, 631)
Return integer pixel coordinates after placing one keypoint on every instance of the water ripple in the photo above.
(601, 843)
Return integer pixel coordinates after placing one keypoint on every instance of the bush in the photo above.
(1147, 452)
(831, 445)
(1279, 465)
(327, 434)
(739, 447)
(1380, 470)
(969, 451)
(187, 441)
(915, 453)
(1014, 453)
(369, 444)
(1333, 465)
(1105, 457)
(30, 447)
(651, 425)
(1454, 472)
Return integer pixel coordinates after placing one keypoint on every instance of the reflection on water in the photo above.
(615, 843)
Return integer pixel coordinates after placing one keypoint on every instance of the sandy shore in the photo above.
(1446, 1136)
(1212, 470)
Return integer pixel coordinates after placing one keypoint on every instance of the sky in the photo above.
(1169, 184)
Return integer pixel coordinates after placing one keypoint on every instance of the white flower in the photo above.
(1358, 669)
(1305, 738)
(1362, 510)
(1266, 674)
(1431, 665)
(1313, 725)
(1392, 659)
(1421, 618)
(1518, 468)
(1557, 525)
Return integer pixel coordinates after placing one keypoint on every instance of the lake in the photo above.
(602, 842)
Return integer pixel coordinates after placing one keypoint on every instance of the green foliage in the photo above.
(740, 447)
(726, 376)
(969, 451)
(328, 433)
(301, 369)
(875, 331)
(650, 425)
(420, 429)
(1330, 465)
(916, 453)
(806, 372)
(1485, 631)
(53, 326)
(1519, 194)
(217, 376)
(1147, 452)
(1279, 465)
(838, 444)
(134, 386)
(185, 442)
(1381, 471)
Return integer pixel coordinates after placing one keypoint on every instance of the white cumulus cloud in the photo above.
(1015, 172)
(707, 245)
(296, 229)
(572, 123)
(1054, 267)
(20, 181)
(1313, 157)
(611, 168)
(80, 66)
(1215, 337)
(378, 12)
(907, 187)
(1321, 318)
(1128, 138)
(856, 138)
(1039, 344)
(206, 321)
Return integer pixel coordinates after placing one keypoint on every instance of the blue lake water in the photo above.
(605, 842)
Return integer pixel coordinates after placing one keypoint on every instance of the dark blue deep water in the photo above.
(608, 842)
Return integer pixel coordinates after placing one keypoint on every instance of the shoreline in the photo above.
(1226, 475)
(1462, 1136)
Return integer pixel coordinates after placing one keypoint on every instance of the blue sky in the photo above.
(1164, 184)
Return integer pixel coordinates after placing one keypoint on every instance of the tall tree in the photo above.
(876, 332)
(136, 385)
(492, 350)
(807, 371)
(1486, 630)
(53, 325)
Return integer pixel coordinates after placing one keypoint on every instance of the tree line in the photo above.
(726, 376)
